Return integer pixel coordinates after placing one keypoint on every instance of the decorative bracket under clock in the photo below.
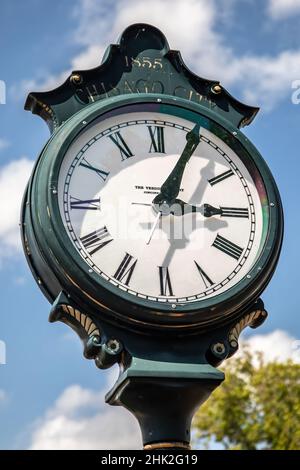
(145, 381)
(107, 350)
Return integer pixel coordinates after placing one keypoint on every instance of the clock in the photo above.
(153, 212)
(152, 225)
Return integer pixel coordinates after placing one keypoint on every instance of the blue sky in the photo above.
(49, 395)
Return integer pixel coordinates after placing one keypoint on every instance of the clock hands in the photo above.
(210, 211)
(179, 208)
(141, 204)
(153, 228)
(166, 201)
(171, 187)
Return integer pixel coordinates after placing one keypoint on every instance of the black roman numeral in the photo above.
(206, 280)
(157, 139)
(165, 281)
(121, 144)
(103, 174)
(88, 204)
(234, 212)
(125, 270)
(221, 177)
(96, 240)
(231, 249)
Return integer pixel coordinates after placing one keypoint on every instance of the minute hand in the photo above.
(170, 188)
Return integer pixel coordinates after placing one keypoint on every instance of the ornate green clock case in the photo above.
(216, 276)
(64, 260)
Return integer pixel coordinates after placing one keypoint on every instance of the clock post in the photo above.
(126, 310)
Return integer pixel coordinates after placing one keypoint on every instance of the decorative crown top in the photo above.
(141, 62)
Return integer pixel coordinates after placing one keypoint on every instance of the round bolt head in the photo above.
(216, 89)
(114, 345)
(76, 78)
(218, 349)
(96, 339)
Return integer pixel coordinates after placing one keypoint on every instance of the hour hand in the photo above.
(210, 211)
(179, 208)
(240, 212)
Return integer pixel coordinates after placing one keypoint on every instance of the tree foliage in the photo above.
(257, 406)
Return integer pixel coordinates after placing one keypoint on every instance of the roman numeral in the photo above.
(165, 281)
(157, 139)
(206, 280)
(103, 174)
(121, 144)
(96, 240)
(88, 204)
(221, 177)
(125, 270)
(234, 212)
(231, 249)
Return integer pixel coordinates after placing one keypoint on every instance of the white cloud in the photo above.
(3, 144)
(193, 29)
(88, 59)
(280, 9)
(79, 419)
(13, 179)
(266, 80)
(3, 396)
(262, 80)
(190, 29)
(277, 345)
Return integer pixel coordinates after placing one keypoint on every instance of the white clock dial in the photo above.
(108, 180)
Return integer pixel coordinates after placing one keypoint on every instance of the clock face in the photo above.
(194, 245)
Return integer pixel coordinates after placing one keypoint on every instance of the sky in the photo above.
(50, 397)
